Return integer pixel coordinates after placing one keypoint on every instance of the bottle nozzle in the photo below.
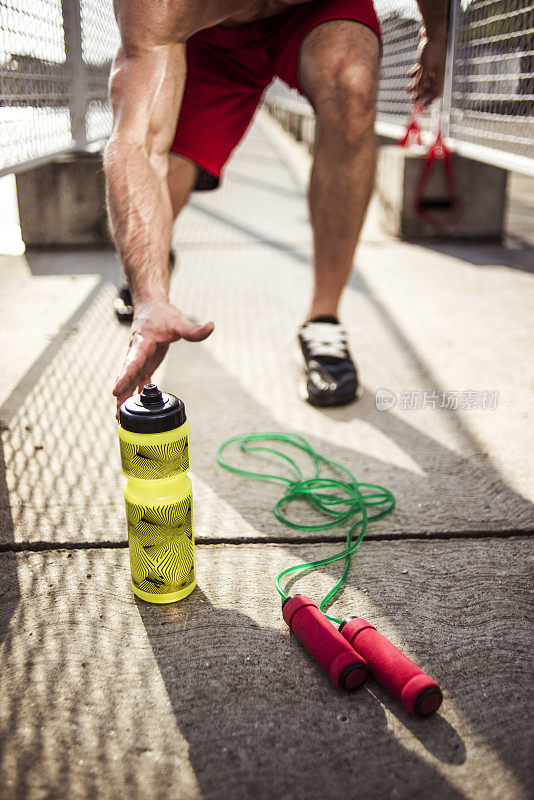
(151, 395)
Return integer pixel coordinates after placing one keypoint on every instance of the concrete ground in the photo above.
(104, 696)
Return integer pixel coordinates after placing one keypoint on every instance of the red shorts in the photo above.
(228, 70)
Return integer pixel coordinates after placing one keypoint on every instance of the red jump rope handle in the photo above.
(418, 693)
(346, 669)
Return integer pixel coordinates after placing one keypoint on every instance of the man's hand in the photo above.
(427, 76)
(156, 324)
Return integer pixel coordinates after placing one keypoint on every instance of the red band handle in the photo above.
(437, 152)
(346, 669)
(418, 693)
(413, 128)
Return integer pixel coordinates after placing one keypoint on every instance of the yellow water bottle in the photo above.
(154, 446)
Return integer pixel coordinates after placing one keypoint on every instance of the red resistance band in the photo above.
(437, 152)
(413, 128)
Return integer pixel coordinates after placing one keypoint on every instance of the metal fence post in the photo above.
(452, 40)
(72, 27)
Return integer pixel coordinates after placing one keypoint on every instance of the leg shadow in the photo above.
(262, 719)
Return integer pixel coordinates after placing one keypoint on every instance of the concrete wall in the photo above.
(63, 202)
(480, 189)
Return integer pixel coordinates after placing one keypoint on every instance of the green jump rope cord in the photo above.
(338, 500)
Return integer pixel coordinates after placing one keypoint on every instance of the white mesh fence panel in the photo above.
(34, 81)
(493, 87)
(55, 57)
(400, 22)
(100, 40)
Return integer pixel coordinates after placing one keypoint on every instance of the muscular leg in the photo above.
(181, 179)
(339, 65)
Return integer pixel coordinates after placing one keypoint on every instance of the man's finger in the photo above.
(431, 96)
(423, 87)
(135, 360)
(128, 377)
(193, 332)
(120, 400)
(138, 385)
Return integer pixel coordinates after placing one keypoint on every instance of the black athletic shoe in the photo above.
(123, 302)
(331, 377)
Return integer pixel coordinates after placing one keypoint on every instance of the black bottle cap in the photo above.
(152, 411)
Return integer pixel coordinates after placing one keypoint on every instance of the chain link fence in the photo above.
(492, 100)
(55, 57)
(100, 40)
(34, 81)
(400, 22)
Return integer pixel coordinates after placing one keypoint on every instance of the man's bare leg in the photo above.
(339, 63)
(181, 180)
(339, 67)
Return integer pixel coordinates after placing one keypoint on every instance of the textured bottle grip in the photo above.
(418, 693)
(162, 551)
(155, 461)
(345, 668)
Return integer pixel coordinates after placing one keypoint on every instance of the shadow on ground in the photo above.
(225, 687)
(516, 253)
(231, 698)
(34, 450)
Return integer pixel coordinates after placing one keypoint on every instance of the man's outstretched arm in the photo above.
(428, 74)
(146, 87)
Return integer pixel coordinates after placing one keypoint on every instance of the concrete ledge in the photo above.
(481, 189)
(63, 202)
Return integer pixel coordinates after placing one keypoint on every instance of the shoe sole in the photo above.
(124, 317)
(298, 359)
